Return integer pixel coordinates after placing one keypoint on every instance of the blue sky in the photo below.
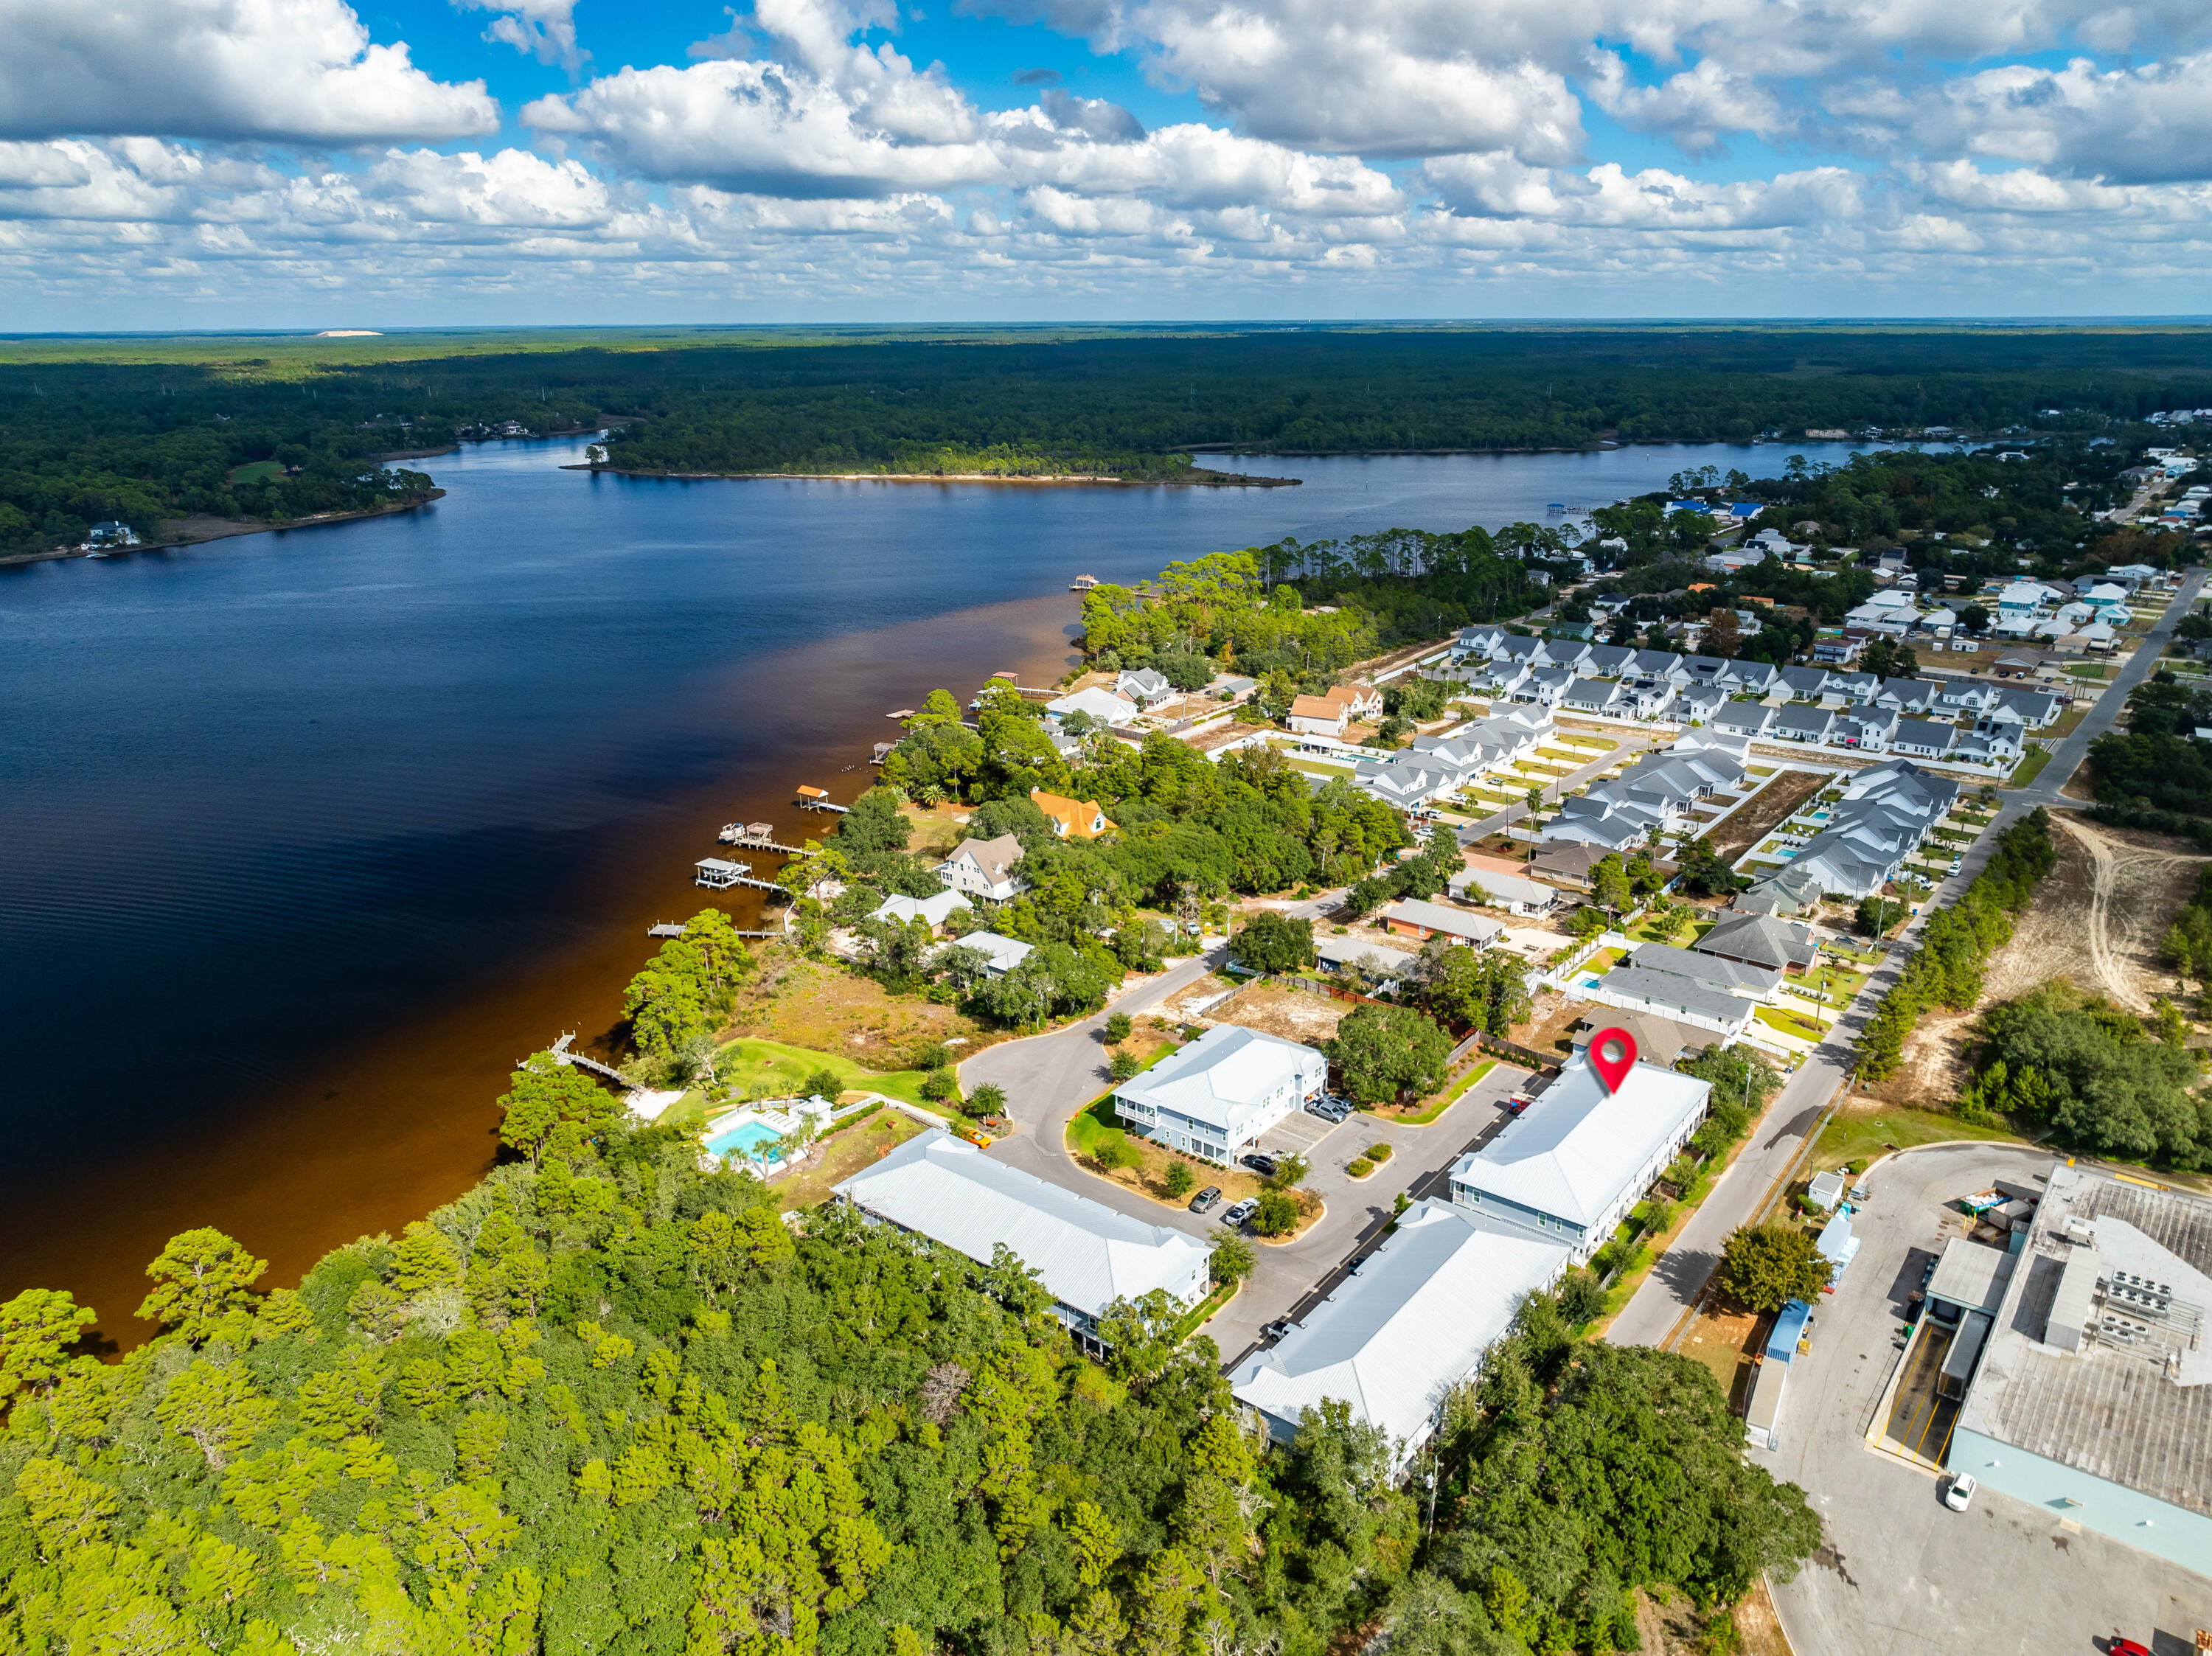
(214, 163)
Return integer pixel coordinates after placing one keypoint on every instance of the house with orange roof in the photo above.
(1318, 715)
(1072, 819)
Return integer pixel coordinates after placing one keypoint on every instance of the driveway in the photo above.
(1664, 1300)
(1632, 743)
(1048, 1078)
(1900, 1573)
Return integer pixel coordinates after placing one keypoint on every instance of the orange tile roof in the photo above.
(1074, 816)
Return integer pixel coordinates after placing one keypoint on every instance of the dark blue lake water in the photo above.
(311, 835)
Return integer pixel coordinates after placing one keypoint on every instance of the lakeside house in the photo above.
(935, 910)
(1097, 703)
(1145, 686)
(985, 869)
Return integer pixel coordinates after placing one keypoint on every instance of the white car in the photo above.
(1959, 1494)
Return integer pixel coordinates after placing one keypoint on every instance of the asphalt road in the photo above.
(1048, 1078)
(1900, 1575)
(1667, 1296)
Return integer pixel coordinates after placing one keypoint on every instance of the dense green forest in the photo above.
(2157, 773)
(2085, 1074)
(148, 430)
(611, 1401)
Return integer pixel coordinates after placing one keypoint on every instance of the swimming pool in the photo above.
(751, 1139)
(1590, 980)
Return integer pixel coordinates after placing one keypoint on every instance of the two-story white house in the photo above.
(1571, 1167)
(984, 868)
(1217, 1096)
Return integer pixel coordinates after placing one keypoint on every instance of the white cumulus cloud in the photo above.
(543, 29)
(291, 70)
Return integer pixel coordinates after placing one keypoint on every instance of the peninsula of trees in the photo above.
(150, 432)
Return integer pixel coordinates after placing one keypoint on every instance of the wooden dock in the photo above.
(719, 874)
(677, 929)
(578, 1061)
(755, 836)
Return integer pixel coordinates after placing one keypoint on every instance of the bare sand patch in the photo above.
(1293, 1014)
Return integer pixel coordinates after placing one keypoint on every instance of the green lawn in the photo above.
(1848, 1139)
(2030, 768)
(1838, 984)
(1791, 1023)
(751, 1062)
(1449, 1099)
(1091, 1124)
(259, 471)
(1096, 1118)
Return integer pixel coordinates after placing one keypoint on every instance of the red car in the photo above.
(2127, 1648)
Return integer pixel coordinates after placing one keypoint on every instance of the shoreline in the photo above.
(393, 1115)
(1220, 480)
(220, 529)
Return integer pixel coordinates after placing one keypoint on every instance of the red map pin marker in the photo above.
(1613, 1055)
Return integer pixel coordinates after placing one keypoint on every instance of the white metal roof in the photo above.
(1970, 1275)
(1096, 701)
(934, 909)
(1413, 1323)
(1004, 954)
(1228, 1074)
(1087, 1254)
(1435, 917)
(1574, 1150)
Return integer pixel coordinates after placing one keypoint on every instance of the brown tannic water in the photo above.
(307, 839)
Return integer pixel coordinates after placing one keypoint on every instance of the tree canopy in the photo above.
(1382, 1052)
(611, 1400)
(1763, 1267)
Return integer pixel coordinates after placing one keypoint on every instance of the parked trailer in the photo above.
(1762, 1421)
(1965, 1351)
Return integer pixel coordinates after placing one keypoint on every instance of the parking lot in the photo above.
(1298, 1134)
(1900, 1572)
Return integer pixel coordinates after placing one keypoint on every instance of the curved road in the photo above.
(1048, 1078)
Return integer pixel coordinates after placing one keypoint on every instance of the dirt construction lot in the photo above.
(2096, 920)
(1289, 1013)
(1775, 803)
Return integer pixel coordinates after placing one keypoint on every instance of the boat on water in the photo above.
(1083, 583)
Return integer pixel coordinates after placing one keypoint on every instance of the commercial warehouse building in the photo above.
(1087, 1254)
(2093, 1400)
